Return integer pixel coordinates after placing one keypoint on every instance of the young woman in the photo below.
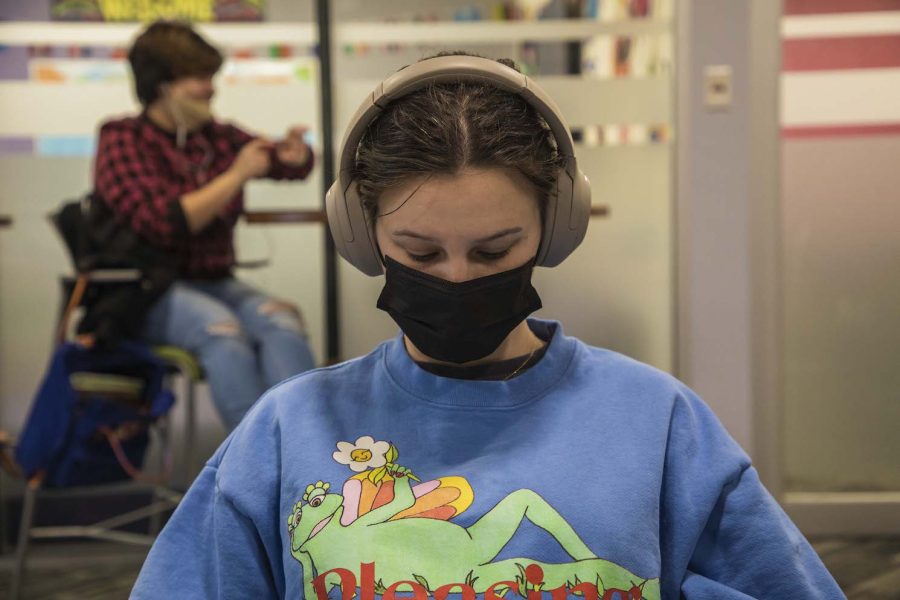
(175, 176)
(479, 453)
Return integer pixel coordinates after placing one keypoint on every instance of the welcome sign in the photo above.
(151, 10)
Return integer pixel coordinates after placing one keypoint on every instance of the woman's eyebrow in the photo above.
(412, 234)
(500, 234)
(419, 236)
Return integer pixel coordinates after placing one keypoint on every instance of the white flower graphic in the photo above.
(366, 453)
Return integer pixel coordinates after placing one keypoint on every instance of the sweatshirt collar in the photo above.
(434, 389)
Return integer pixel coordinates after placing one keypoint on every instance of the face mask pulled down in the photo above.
(457, 322)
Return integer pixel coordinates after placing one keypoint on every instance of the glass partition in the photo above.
(611, 72)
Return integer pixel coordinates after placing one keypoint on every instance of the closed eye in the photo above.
(423, 257)
(489, 256)
(483, 255)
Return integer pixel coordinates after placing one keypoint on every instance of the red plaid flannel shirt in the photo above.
(141, 174)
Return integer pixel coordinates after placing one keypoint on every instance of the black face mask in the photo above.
(457, 322)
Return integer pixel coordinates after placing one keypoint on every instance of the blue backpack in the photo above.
(89, 423)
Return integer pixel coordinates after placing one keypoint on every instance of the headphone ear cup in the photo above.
(581, 209)
(353, 238)
(551, 215)
(559, 238)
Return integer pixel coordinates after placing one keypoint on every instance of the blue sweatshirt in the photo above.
(590, 475)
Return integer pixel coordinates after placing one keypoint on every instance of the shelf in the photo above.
(285, 216)
(626, 100)
(121, 34)
(23, 33)
(493, 32)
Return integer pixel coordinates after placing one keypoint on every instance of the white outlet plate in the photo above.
(717, 81)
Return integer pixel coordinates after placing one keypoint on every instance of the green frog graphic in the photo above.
(402, 532)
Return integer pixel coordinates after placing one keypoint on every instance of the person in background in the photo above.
(175, 175)
(480, 453)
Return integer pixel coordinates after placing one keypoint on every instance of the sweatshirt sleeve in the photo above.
(724, 536)
(282, 171)
(208, 549)
(223, 541)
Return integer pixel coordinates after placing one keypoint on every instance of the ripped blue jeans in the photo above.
(245, 340)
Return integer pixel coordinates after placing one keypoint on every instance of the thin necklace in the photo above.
(519, 368)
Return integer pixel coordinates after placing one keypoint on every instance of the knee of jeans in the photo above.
(228, 329)
(283, 315)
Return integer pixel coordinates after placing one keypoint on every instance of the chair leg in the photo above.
(162, 429)
(3, 524)
(18, 577)
(190, 432)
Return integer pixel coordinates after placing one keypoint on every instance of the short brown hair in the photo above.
(446, 127)
(166, 51)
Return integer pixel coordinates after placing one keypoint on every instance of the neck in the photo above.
(519, 342)
(157, 113)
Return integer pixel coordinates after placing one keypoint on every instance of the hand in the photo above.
(85, 340)
(253, 159)
(293, 150)
(398, 472)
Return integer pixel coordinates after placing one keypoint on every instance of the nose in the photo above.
(209, 89)
(456, 270)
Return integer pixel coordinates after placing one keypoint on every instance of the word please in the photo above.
(534, 578)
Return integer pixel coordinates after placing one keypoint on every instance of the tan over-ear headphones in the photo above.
(567, 212)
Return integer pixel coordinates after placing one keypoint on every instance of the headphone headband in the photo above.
(453, 69)
(567, 215)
